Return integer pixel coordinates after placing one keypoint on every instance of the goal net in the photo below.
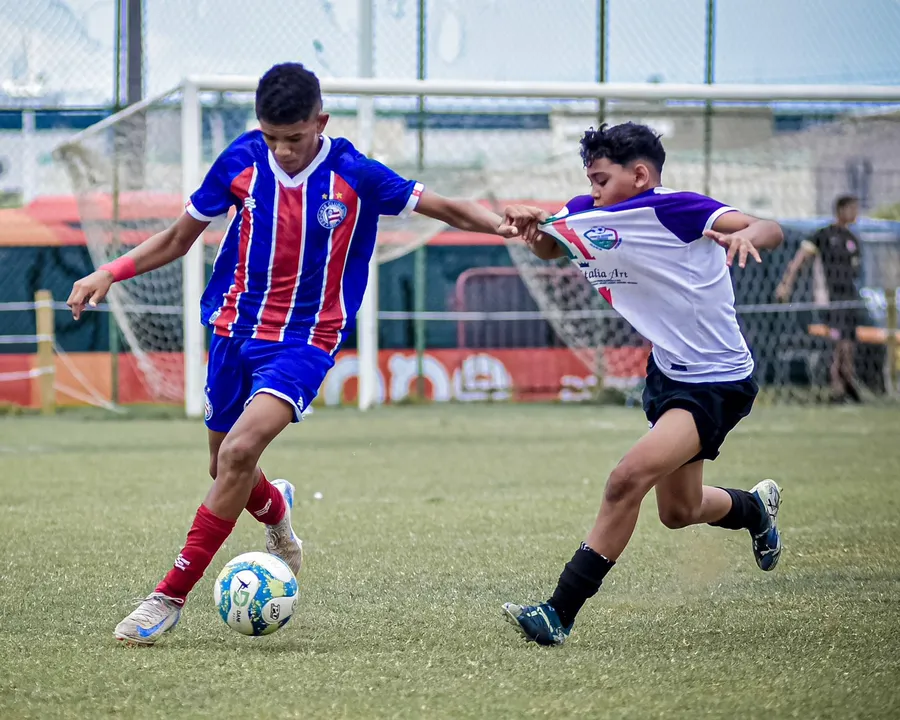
(132, 176)
(773, 151)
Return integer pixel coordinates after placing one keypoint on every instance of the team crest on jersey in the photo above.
(603, 238)
(208, 409)
(331, 214)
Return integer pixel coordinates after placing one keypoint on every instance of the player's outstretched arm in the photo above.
(744, 236)
(464, 215)
(158, 250)
(785, 288)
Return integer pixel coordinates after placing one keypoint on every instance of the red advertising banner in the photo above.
(538, 374)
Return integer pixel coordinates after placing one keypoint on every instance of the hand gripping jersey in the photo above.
(648, 258)
(294, 260)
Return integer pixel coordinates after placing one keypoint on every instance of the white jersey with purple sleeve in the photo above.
(294, 260)
(648, 258)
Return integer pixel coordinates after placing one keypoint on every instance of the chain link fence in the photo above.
(63, 52)
(58, 73)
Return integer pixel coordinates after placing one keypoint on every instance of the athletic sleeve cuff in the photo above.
(197, 215)
(716, 215)
(414, 196)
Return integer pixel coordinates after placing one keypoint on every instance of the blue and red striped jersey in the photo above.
(294, 260)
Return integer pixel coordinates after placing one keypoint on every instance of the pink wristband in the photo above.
(121, 268)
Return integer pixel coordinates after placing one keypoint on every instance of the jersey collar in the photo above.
(303, 175)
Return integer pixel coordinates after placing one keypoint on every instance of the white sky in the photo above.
(69, 42)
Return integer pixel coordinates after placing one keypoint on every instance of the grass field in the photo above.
(431, 518)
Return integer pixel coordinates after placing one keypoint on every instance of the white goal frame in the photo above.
(367, 332)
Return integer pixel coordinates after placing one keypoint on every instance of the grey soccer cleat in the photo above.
(281, 541)
(156, 615)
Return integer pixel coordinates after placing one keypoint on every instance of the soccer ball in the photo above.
(256, 593)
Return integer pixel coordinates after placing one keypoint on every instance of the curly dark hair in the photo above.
(287, 93)
(623, 144)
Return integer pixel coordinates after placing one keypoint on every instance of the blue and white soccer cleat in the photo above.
(156, 615)
(539, 623)
(767, 544)
(280, 538)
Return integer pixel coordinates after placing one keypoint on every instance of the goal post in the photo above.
(193, 267)
(526, 162)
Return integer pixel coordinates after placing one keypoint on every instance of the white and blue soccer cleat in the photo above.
(156, 615)
(538, 623)
(767, 544)
(281, 541)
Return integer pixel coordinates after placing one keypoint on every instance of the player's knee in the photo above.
(626, 483)
(676, 517)
(237, 457)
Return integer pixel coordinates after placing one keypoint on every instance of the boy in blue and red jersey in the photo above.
(286, 285)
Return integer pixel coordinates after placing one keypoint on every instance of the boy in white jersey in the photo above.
(661, 258)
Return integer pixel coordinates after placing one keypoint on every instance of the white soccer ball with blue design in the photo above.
(256, 593)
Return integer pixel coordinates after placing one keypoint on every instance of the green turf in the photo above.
(431, 518)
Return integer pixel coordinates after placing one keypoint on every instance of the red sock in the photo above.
(204, 539)
(266, 504)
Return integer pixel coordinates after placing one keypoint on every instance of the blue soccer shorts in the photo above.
(241, 368)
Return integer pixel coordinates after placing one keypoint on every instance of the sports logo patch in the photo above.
(603, 238)
(331, 214)
(208, 409)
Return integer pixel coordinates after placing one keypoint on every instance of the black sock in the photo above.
(745, 513)
(580, 580)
